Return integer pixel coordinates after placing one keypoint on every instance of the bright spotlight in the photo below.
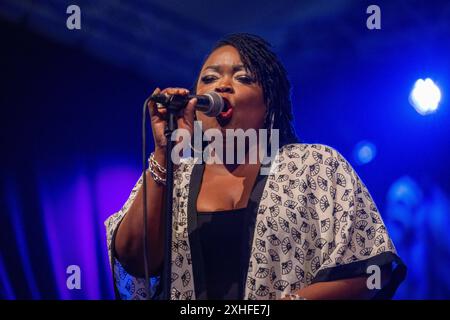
(425, 96)
(364, 152)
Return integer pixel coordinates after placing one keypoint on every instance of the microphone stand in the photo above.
(173, 105)
(172, 110)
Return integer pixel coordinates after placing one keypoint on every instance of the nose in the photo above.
(224, 88)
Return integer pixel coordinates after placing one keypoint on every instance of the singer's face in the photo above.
(224, 73)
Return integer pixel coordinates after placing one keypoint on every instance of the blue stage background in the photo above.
(71, 119)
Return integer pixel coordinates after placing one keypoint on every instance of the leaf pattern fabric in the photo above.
(315, 218)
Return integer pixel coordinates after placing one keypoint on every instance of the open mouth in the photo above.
(225, 116)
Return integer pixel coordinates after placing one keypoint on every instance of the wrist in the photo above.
(160, 155)
(157, 169)
(294, 296)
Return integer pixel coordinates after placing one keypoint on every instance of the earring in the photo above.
(272, 121)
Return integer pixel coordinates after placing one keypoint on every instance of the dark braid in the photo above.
(259, 59)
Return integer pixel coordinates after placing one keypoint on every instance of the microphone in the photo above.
(211, 103)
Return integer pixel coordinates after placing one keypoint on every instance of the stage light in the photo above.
(425, 96)
(405, 190)
(364, 152)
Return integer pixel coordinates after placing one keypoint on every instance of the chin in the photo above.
(230, 125)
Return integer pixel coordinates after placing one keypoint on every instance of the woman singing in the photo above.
(306, 229)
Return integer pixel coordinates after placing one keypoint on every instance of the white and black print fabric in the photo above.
(315, 221)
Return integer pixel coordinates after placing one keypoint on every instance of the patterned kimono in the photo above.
(311, 219)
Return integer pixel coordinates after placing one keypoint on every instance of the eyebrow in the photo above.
(215, 67)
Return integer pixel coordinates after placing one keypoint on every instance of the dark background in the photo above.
(71, 119)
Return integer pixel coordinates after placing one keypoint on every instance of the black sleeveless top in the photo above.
(221, 240)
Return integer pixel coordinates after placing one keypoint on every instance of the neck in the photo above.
(249, 158)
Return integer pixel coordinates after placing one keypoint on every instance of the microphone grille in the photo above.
(216, 104)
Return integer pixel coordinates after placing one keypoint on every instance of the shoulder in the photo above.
(317, 152)
(314, 156)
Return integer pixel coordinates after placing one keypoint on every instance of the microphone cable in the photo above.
(144, 182)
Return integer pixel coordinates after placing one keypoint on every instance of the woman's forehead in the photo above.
(227, 56)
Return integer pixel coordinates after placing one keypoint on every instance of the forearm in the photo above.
(344, 289)
(129, 238)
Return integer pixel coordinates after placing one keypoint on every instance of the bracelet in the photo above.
(152, 161)
(152, 167)
(157, 178)
(294, 296)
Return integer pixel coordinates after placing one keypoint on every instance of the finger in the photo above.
(162, 110)
(152, 105)
(181, 91)
(189, 111)
(156, 110)
(186, 115)
(184, 91)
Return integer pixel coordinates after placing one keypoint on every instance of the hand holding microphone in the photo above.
(211, 103)
(185, 118)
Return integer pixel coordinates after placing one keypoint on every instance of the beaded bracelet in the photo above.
(155, 163)
(153, 166)
(294, 296)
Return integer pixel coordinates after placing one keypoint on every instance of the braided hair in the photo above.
(262, 62)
